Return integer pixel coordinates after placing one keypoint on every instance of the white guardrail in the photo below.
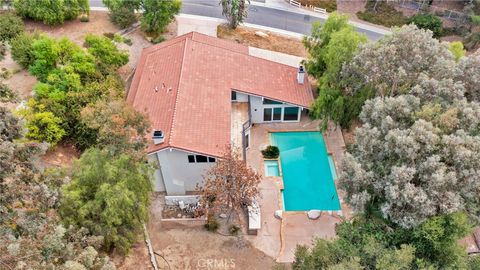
(315, 9)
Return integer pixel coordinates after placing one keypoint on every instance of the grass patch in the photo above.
(385, 14)
(329, 5)
(273, 42)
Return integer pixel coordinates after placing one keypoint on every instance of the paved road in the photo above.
(270, 17)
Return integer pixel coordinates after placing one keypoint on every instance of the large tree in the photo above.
(417, 155)
(109, 195)
(393, 64)
(235, 11)
(51, 12)
(156, 15)
(330, 46)
(230, 184)
(120, 128)
(30, 231)
(373, 243)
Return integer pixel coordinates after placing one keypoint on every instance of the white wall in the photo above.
(179, 175)
(241, 97)
(158, 184)
(257, 106)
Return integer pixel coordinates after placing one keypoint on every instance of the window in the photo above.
(277, 114)
(269, 101)
(234, 96)
(272, 114)
(247, 140)
(201, 159)
(290, 114)
(267, 114)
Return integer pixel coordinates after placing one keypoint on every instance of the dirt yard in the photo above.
(272, 42)
(196, 248)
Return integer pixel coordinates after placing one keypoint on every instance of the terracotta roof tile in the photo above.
(184, 85)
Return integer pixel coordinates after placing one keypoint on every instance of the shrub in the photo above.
(22, 49)
(6, 93)
(428, 21)
(106, 51)
(212, 224)
(10, 26)
(117, 38)
(3, 50)
(472, 41)
(84, 19)
(271, 152)
(43, 126)
(456, 48)
(384, 14)
(127, 41)
(123, 17)
(158, 39)
(234, 230)
(51, 12)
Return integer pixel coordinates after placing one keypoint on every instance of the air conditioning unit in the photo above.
(158, 137)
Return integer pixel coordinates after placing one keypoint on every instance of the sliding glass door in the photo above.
(272, 114)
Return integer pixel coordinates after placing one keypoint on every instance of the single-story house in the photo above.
(187, 87)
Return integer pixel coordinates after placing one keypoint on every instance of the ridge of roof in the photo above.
(172, 128)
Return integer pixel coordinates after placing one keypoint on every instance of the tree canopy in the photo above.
(373, 243)
(70, 78)
(109, 195)
(330, 46)
(30, 229)
(51, 12)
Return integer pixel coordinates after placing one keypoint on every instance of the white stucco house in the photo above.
(188, 86)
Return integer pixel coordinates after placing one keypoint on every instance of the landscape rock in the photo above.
(314, 214)
(223, 215)
(261, 34)
(278, 214)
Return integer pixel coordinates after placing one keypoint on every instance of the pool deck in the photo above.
(278, 238)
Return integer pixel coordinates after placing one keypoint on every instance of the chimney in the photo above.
(300, 75)
(158, 137)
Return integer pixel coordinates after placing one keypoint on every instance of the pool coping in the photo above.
(282, 185)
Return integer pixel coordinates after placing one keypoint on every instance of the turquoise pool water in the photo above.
(271, 168)
(307, 175)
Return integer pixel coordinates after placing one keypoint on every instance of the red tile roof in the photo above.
(184, 86)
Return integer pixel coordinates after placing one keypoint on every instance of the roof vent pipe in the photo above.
(300, 75)
(158, 137)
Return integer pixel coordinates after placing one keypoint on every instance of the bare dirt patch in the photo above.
(195, 248)
(20, 80)
(75, 30)
(272, 42)
(62, 155)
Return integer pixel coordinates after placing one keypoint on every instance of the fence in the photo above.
(315, 9)
(438, 11)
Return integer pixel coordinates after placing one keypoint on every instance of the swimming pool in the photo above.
(308, 179)
(271, 168)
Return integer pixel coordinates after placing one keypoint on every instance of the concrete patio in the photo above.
(279, 238)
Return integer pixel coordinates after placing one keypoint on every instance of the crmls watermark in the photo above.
(214, 264)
